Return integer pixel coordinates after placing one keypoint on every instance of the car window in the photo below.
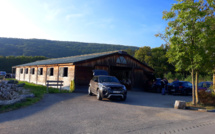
(200, 84)
(158, 81)
(95, 79)
(185, 84)
(209, 84)
(189, 84)
(108, 79)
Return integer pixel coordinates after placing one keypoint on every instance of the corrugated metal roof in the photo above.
(71, 59)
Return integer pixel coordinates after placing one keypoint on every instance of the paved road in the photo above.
(77, 113)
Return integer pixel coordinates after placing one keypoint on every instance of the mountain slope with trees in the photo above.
(53, 49)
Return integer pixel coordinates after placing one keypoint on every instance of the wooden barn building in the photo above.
(79, 68)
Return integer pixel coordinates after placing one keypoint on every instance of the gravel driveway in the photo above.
(78, 113)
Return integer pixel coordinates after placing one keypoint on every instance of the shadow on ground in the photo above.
(46, 102)
(135, 98)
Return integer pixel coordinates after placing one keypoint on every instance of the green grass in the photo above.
(37, 90)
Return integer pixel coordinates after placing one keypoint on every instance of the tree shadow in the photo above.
(46, 102)
(133, 98)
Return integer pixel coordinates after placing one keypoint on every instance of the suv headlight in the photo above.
(124, 87)
(105, 88)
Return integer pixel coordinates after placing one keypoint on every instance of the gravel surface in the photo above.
(78, 113)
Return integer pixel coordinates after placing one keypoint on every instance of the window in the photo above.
(26, 71)
(21, 70)
(40, 71)
(50, 71)
(121, 60)
(63, 71)
(32, 70)
(95, 79)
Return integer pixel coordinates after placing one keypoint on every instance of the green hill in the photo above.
(53, 49)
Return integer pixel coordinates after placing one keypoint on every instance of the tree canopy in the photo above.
(191, 36)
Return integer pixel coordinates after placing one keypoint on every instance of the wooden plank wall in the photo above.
(111, 61)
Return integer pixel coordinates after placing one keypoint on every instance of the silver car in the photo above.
(104, 86)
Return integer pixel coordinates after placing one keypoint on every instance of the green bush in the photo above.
(72, 86)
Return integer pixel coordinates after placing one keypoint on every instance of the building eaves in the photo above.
(71, 59)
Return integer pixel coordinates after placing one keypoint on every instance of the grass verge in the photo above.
(200, 106)
(37, 90)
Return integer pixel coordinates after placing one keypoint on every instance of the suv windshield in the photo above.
(108, 79)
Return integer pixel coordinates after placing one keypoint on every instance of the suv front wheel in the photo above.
(124, 98)
(99, 97)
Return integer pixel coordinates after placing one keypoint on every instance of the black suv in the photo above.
(105, 86)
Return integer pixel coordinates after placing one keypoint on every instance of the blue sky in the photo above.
(124, 22)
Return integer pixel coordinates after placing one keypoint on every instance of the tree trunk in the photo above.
(214, 80)
(196, 87)
(193, 88)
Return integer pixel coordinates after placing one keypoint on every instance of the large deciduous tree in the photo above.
(191, 34)
(144, 54)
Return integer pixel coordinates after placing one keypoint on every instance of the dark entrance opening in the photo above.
(124, 74)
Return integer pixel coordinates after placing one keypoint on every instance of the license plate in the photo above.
(116, 92)
(173, 90)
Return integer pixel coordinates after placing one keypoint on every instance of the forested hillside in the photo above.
(53, 49)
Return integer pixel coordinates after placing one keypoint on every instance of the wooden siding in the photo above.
(111, 61)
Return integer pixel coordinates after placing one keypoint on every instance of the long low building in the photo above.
(79, 68)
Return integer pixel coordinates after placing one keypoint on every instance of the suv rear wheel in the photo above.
(89, 92)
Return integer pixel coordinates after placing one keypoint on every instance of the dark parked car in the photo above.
(180, 87)
(204, 85)
(156, 86)
(105, 86)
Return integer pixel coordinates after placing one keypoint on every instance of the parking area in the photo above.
(142, 112)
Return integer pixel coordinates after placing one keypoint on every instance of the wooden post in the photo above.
(24, 74)
(193, 88)
(58, 73)
(36, 73)
(47, 89)
(19, 73)
(29, 72)
(46, 74)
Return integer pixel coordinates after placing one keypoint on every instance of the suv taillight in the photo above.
(180, 86)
